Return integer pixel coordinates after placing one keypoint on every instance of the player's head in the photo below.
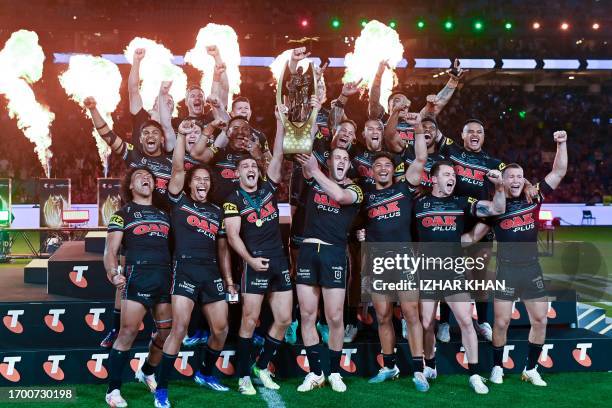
(241, 106)
(383, 168)
(239, 133)
(430, 128)
(473, 135)
(443, 177)
(339, 163)
(151, 138)
(396, 98)
(138, 182)
(198, 183)
(248, 172)
(345, 134)
(513, 178)
(192, 137)
(373, 134)
(194, 99)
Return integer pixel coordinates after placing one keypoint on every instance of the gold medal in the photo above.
(259, 222)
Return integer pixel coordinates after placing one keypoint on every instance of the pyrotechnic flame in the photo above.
(98, 77)
(226, 40)
(279, 62)
(21, 63)
(376, 43)
(156, 67)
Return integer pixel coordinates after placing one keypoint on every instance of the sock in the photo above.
(269, 350)
(116, 319)
(209, 359)
(418, 365)
(116, 363)
(334, 361)
(533, 355)
(389, 360)
(244, 355)
(473, 368)
(147, 368)
(430, 362)
(481, 310)
(444, 312)
(314, 358)
(167, 362)
(498, 355)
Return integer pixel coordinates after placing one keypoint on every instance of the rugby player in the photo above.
(516, 231)
(388, 215)
(141, 229)
(253, 230)
(440, 219)
(201, 268)
(332, 204)
(241, 106)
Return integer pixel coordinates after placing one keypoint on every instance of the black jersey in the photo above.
(471, 169)
(442, 219)
(388, 213)
(145, 233)
(408, 157)
(519, 224)
(160, 166)
(195, 227)
(225, 173)
(326, 219)
(404, 129)
(260, 232)
(361, 166)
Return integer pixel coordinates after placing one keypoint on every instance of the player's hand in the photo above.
(231, 289)
(351, 88)
(118, 281)
(90, 102)
(218, 124)
(213, 51)
(214, 101)
(319, 72)
(185, 127)
(139, 54)
(530, 191)
(307, 161)
(560, 136)
(361, 235)
(381, 66)
(278, 109)
(495, 177)
(412, 118)
(456, 72)
(401, 106)
(259, 264)
(315, 103)
(255, 149)
(299, 54)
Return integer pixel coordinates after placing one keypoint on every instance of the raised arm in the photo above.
(276, 164)
(220, 84)
(497, 206)
(218, 110)
(553, 179)
(177, 179)
(165, 105)
(393, 140)
(116, 144)
(311, 169)
(336, 113)
(201, 151)
(375, 109)
(435, 103)
(134, 82)
(415, 170)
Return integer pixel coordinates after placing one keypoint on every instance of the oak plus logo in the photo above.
(52, 320)
(181, 363)
(8, 369)
(346, 361)
(224, 363)
(95, 366)
(11, 321)
(52, 368)
(580, 354)
(545, 359)
(77, 276)
(93, 319)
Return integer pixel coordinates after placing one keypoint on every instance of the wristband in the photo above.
(101, 127)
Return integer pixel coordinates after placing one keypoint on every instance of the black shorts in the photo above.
(275, 279)
(442, 284)
(148, 284)
(198, 281)
(523, 280)
(297, 227)
(322, 265)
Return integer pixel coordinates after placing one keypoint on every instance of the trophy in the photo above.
(294, 90)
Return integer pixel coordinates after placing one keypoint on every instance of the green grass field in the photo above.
(564, 390)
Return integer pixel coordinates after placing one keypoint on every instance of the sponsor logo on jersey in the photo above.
(230, 208)
(142, 229)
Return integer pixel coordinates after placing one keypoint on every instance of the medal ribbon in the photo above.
(256, 204)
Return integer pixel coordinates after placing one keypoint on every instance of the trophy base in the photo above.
(297, 145)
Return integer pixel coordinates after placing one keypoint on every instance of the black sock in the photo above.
(314, 358)
(533, 355)
(334, 361)
(430, 362)
(418, 365)
(498, 355)
(481, 310)
(116, 363)
(444, 312)
(473, 368)
(389, 360)
(269, 350)
(244, 356)
(167, 362)
(116, 319)
(209, 359)
(147, 368)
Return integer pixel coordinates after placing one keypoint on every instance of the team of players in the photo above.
(213, 201)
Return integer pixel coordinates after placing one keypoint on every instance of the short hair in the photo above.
(380, 122)
(430, 120)
(125, 191)
(473, 121)
(511, 166)
(435, 169)
(151, 122)
(243, 157)
(235, 118)
(352, 122)
(191, 172)
(383, 154)
(396, 93)
(240, 99)
(338, 148)
(191, 87)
